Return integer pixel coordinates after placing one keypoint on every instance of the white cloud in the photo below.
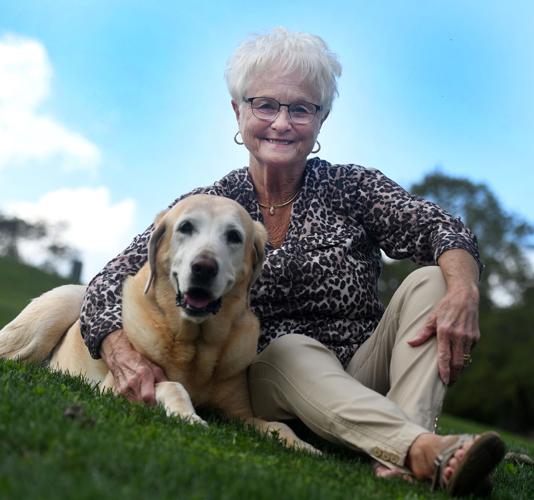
(25, 133)
(94, 225)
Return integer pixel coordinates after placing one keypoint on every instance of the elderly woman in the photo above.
(329, 355)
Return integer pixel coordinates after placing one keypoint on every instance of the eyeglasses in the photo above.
(265, 108)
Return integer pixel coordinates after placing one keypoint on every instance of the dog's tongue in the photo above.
(195, 301)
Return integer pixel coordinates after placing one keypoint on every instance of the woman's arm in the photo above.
(101, 325)
(101, 311)
(407, 227)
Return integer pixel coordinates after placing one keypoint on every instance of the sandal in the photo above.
(472, 473)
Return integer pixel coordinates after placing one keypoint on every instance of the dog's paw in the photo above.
(193, 418)
(285, 434)
(307, 447)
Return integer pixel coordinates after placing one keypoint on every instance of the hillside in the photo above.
(60, 439)
(19, 283)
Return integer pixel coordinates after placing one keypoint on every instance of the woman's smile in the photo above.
(278, 142)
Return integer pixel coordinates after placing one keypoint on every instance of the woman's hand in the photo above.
(135, 376)
(454, 320)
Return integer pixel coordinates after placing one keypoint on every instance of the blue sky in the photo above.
(111, 109)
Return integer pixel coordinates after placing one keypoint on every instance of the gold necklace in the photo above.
(273, 206)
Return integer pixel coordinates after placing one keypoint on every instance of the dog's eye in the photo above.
(234, 236)
(186, 227)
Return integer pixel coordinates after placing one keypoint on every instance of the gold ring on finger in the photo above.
(467, 359)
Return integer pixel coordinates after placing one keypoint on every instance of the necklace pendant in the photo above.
(271, 210)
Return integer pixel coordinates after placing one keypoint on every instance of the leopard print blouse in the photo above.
(322, 281)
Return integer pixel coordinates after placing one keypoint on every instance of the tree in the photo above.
(502, 237)
(53, 254)
(13, 230)
(498, 388)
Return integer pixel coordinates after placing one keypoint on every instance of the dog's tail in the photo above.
(34, 333)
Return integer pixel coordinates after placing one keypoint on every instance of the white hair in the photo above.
(285, 52)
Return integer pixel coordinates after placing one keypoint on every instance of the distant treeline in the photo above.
(49, 251)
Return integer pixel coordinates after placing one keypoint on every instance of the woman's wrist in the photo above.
(112, 343)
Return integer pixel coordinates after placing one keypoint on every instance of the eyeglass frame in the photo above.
(280, 104)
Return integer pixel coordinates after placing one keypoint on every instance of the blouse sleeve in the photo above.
(101, 311)
(405, 226)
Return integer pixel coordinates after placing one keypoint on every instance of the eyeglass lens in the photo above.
(266, 108)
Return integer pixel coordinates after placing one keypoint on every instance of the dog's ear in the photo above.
(260, 238)
(160, 216)
(153, 243)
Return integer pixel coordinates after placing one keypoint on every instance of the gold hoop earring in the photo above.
(318, 148)
(235, 139)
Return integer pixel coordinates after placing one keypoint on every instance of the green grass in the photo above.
(114, 449)
(109, 448)
(19, 283)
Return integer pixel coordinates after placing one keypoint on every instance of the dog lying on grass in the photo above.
(187, 310)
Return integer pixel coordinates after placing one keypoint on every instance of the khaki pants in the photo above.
(389, 393)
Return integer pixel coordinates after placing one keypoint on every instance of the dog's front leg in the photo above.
(176, 401)
(171, 395)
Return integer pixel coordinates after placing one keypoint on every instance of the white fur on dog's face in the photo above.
(215, 235)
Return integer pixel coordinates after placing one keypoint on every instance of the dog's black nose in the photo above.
(204, 269)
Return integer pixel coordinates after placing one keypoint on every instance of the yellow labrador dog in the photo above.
(187, 310)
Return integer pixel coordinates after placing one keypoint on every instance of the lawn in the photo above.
(61, 439)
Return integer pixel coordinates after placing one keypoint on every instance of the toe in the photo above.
(455, 460)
